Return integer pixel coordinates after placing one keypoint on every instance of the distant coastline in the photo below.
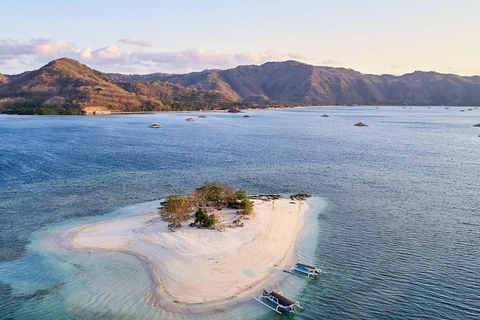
(111, 113)
(65, 86)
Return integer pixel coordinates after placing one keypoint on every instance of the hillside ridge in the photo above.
(76, 88)
(296, 82)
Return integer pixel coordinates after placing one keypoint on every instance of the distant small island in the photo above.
(360, 124)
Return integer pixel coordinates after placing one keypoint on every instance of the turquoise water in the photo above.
(395, 222)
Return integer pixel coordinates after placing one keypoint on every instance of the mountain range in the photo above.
(67, 84)
(305, 84)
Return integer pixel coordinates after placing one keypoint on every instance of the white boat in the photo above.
(304, 270)
(280, 302)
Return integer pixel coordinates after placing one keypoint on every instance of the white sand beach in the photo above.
(199, 270)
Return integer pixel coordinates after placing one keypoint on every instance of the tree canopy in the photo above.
(212, 194)
(241, 194)
(176, 209)
(247, 206)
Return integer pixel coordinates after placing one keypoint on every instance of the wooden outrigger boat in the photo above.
(277, 299)
(304, 270)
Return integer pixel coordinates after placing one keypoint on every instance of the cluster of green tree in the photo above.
(245, 204)
(195, 106)
(35, 107)
(43, 111)
(177, 207)
(203, 218)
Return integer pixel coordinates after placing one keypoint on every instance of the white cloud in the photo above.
(85, 53)
(333, 62)
(37, 52)
(112, 53)
(11, 49)
(270, 55)
(136, 42)
(47, 47)
(191, 57)
(199, 58)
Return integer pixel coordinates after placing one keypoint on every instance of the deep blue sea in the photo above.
(396, 209)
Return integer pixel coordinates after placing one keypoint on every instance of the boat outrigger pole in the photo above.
(281, 302)
(304, 270)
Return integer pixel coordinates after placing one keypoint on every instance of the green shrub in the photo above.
(247, 206)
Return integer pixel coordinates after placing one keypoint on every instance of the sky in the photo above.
(180, 36)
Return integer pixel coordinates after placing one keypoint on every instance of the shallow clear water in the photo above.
(399, 237)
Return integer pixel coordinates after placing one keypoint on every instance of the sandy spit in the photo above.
(196, 270)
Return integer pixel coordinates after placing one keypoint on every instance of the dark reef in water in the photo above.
(300, 196)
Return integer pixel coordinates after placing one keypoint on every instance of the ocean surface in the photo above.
(394, 222)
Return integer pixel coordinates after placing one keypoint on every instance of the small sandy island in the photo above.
(201, 270)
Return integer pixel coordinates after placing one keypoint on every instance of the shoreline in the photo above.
(114, 113)
(185, 276)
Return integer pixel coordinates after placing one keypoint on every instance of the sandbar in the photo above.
(198, 270)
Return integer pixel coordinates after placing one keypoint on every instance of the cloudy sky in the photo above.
(370, 36)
